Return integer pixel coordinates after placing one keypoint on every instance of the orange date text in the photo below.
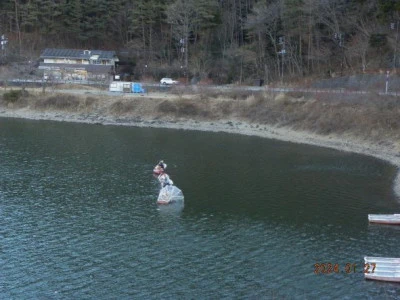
(348, 268)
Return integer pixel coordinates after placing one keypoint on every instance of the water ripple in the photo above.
(78, 218)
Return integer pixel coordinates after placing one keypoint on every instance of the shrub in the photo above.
(225, 107)
(120, 107)
(89, 101)
(167, 107)
(63, 102)
(14, 96)
(187, 109)
(256, 100)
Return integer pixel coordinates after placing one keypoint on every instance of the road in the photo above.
(164, 89)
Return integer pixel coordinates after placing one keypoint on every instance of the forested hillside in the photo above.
(222, 41)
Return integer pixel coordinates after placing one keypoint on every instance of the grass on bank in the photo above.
(371, 117)
(61, 102)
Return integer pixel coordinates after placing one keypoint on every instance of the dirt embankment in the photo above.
(368, 124)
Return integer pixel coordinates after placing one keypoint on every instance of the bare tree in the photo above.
(5, 75)
(16, 4)
(263, 24)
(357, 49)
(182, 15)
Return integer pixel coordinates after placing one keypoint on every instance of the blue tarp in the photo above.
(137, 88)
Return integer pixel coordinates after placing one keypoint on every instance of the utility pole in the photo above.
(387, 82)
(283, 52)
(184, 51)
(3, 42)
(339, 38)
(392, 26)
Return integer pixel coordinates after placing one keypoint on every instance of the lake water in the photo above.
(79, 219)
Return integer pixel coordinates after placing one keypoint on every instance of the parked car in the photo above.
(168, 81)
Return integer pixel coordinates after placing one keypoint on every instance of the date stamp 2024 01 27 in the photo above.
(329, 268)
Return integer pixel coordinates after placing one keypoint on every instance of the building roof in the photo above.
(77, 54)
(90, 68)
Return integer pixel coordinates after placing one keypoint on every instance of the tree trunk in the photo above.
(18, 27)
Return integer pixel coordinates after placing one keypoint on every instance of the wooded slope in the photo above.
(222, 41)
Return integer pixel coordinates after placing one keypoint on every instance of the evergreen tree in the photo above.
(317, 35)
(72, 21)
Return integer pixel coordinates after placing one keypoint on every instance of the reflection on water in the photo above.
(79, 219)
(172, 209)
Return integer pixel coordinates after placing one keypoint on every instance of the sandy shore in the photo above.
(340, 143)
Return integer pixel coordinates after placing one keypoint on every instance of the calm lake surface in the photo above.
(79, 219)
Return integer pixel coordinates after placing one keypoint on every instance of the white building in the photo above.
(72, 64)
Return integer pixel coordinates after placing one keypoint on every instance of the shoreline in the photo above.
(381, 152)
